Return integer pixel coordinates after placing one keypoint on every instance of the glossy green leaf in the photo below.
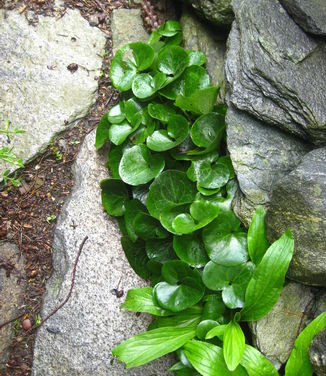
(147, 227)
(190, 249)
(233, 345)
(172, 60)
(122, 71)
(182, 287)
(160, 112)
(190, 317)
(143, 55)
(213, 175)
(196, 58)
(116, 115)
(134, 111)
(217, 331)
(139, 166)
(151, 345)
(145, 85)
(102, 132)
(169, 29)
(267, 281)
(208, 131)
(160, 250)
(208, 359)
(225, 242)
(256, 364)
(172, 188)
(132, 208)
(216, 277)
(299, 362)
(141, 300)
(114, 196)
(214, 308)
(257, 240)
(204, 327)
(136, 256)
(118, 133)
(176, 132)
(200, 102)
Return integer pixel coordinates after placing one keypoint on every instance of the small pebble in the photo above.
(27, 324)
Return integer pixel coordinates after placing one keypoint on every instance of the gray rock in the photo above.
(275, 71)
(317, 353)
(261, 155)
(219, 12)
(93, 20)
(12, 288)
(127, 26)
(274, 335)
(309, 14)
(79, 338)
(299, 203)
(199, 37)
(37, 91)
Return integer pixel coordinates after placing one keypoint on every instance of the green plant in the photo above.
(56, 151)
(51, 218)
(8, 156)
(172, 187)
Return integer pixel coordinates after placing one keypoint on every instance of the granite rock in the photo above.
(275, 71)
(37, 91)
(299, 203)
(261, 155)
(309, 14)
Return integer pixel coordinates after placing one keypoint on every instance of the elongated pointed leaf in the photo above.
(299, 362)
(256, 364)
(267, 281)
(151, 345)
(233, 345)
(257, 240)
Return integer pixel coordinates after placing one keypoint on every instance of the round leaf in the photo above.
(147, 227)
(196, 58)
(114, 196)
(169, 29)
(116, 115)
(214, 308)
(213, 175)
(204, 327)
(160, 250)
(139, 166)
(144, 85)
(122, 72)
(216, 277)
(172, 60)
(143, 55)
(190, 249)
(160, 112)
(118, 133)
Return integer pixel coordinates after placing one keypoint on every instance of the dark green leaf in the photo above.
(141, 300)
(102, 132)
(151, 345)
(256, 364)
(145, 85)
(299, 362)
(115, 155)
(257, 240)
(160, 112)
(214, 308)
(204, 327)
(267, 281)
(132, 208)
(233, 345)
(172, 60)
(147, 227)
(160, 250)
(143, 55)
(136, 255)
(118, 133)
(114, 196)
(190, 249)
(139, 166)
(213, 175)
(200, 102)
(116, 115)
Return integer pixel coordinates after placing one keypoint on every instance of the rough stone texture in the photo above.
(79, 338)
(219, 12)
(12, 289)
(309, 14)
(317, 353)
(261, 155)
(127, 26)
(299, 203)
(199, 37)
(275, 71)
(37, 91)
(274, 335)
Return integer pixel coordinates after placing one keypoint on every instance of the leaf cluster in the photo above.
(172, 187)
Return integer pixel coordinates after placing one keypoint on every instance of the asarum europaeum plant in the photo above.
(171, 188)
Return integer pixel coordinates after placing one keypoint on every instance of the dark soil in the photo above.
(28, 213)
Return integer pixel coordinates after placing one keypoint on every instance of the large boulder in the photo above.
(218, 12)
(309, 14)
(299, 203)
(48, 76)
(261, 155)
(274, 335)
(275, 71)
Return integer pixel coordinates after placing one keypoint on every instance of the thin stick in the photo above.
(9, 321)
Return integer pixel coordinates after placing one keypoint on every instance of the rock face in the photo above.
(38, 92)
(219, 12)
(274, 335)
(299, 203)
(275, 71)
(200, 37)
(317, 353)
(127, 26)
(79, 338)
(12, 287)
(309, 14)
(261, 155)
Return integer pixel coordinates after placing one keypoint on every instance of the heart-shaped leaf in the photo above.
(182, 289)
(214, 308)
(200, 102)
(145, 85)
(225, 242)
(118, 133)
(172, 60)
(190, 249)
(160, 250)
(213, 175)
(122, 72)
(139, 166)
(160, 112)
(147, 227)
(114, 196)
(162, 140)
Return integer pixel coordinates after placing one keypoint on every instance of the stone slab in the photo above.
(37, 91)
